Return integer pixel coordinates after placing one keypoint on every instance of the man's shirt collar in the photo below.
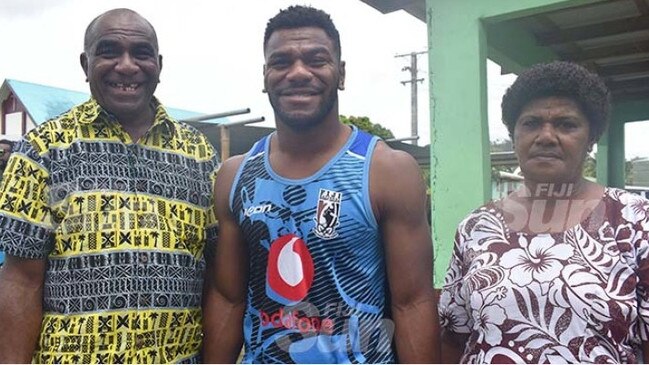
(90, 111)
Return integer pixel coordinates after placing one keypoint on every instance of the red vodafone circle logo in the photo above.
(290, 269)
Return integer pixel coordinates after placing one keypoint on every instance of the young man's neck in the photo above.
(297, 154)
(311, 141)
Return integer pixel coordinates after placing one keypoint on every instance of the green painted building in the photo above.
(607, 36)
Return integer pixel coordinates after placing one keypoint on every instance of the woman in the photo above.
(557, 272)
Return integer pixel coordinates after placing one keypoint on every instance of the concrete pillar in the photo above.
(460, 166)
(611, 162)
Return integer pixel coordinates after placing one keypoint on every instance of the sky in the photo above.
(213, 58)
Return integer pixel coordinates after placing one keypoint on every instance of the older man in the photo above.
(104, 216)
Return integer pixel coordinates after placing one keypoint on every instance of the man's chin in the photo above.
(126, 110)
(302, 122)
(302, 119)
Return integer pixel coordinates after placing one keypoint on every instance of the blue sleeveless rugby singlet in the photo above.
(317, 285)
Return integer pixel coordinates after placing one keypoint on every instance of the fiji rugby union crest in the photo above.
(327, 217)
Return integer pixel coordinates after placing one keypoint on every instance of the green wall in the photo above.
(461, 34)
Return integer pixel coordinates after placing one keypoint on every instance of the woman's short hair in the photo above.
(561, 79)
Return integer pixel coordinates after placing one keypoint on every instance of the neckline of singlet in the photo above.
(317, 174)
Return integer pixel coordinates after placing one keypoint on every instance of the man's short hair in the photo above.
(298, 16)
(560, 79)
(91, 27)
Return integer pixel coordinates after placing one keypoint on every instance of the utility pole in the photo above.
(413, 90)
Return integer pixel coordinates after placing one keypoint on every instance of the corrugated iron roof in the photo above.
(43, 102)
(609, 37)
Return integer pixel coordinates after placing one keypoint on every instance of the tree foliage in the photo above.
(629, 170)
(590, 167)
(365, 124)
(502, 145)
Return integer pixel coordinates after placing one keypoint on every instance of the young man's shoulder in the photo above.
(232, 164)
(395, 178)
(390, 159)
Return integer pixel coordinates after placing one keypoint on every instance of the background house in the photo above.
(25, 105)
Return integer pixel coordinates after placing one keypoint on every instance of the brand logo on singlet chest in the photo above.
(327, 217)
(257, 209)
(290, 270)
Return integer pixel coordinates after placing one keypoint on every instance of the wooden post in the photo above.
(225, 143)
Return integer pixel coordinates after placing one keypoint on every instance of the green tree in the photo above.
(425, 174)
(501, 145)
(590, 167)
(629, 173)
(365, 124)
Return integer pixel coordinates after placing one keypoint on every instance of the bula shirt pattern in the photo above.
(122, 226)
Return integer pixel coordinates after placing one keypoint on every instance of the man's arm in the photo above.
(399, 197)
(21, 308)
(226, 279)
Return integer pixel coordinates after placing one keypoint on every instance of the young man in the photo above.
(104, 216)
(324, 250)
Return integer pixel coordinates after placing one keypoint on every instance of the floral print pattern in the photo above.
(579, 296)
(538, 260)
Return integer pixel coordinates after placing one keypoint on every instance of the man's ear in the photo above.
(83, 59)
(341, 80)
(160, 66)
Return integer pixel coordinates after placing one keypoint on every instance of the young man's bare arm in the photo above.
(226, 279)
(399, 195)
(21, 308)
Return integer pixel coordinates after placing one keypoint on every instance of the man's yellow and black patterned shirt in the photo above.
(122, 226)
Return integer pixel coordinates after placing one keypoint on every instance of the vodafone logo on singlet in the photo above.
(290, 270)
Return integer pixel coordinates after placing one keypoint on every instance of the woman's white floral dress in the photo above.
(580, 296)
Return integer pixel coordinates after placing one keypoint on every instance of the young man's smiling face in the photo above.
(302, 75)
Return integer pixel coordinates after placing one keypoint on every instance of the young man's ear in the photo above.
(83, 59)
(341, 80)
(264, 73)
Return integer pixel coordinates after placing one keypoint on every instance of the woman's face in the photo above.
(551, 140)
